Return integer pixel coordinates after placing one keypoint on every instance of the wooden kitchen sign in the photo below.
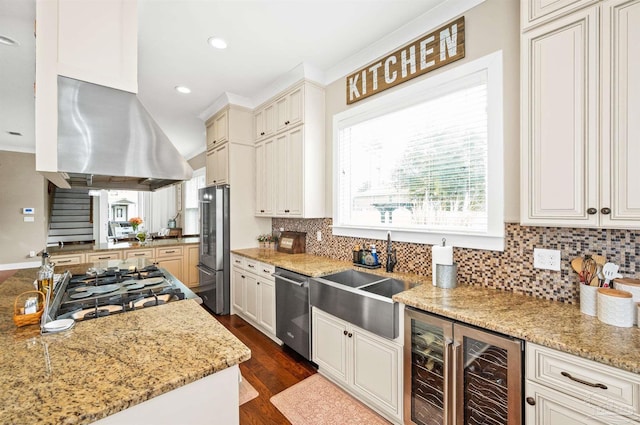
(436, 49)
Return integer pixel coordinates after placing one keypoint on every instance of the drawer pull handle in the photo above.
(139, 254)
(251, 265)
(266, 271)
(64, 261)
(583, 382)
(170, 252)
(104, 258)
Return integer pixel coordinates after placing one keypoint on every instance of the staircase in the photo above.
(70, 217)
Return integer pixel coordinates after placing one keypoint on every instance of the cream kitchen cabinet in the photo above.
(265, 178)
(364, 364)
(171, 259)
(94, 41)
(217, 165)
(537, 12)
(218, 129)
(292, 183)
(139, 253)
(577, 124)
(290, 109)
(264, 122)
(67, 260)
(563, 389)
(253, 294)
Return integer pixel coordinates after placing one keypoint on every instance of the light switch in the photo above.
(28, 210)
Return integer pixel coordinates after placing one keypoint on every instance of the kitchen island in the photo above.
(162, 363)
(121, 245)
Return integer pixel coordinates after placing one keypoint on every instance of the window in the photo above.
(191, 207)
(425, 161)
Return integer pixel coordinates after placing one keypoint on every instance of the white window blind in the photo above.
(191, 224)
(421, 161)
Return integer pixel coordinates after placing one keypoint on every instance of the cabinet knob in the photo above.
(350, 334)
(592, 211)
(605, 210)
(257, 283)
(242, 276)
(531, 401)
(286, 211)
(261, 211)
(286, 123)
(345, 332)
(262, 134)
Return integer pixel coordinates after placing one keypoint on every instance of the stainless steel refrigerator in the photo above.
(214, 264)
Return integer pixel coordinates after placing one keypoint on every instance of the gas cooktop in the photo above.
(101, 292)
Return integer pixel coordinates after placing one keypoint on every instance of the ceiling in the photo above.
(266, 40)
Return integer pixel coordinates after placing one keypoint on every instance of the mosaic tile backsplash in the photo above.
(511, 270)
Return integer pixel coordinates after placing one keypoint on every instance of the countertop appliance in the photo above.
(215, 257)
(101, 292)
(293, 324)
(457, 374)
(292, 242)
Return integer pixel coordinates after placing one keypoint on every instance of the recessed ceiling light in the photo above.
(8, 41)
(14, 133)
(183, 89)
(217, 42)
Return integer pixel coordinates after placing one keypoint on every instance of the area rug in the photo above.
(247, 392)
(317, 401)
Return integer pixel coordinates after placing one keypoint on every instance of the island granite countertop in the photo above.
(103, 366)
(549, 323)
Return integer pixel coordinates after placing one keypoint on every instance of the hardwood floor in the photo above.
(270, 370)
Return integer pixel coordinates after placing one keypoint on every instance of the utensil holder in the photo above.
(615, 307)
(588, 299)
(21, 319)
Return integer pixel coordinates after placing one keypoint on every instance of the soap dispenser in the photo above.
(374, 254)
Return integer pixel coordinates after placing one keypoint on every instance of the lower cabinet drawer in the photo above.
(103, 256)
(611, 388)
(169, 252)
(266, 270)
(138, 253)
(67, 260)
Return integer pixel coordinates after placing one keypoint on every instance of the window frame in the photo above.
(406, 95)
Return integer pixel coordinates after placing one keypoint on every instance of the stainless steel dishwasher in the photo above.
(293, 325)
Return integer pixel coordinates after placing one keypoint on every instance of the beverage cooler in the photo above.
(457, 374)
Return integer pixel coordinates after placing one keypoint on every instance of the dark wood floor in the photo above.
(270, 370)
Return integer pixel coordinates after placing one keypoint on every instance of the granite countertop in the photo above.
(155, 243)
(105, 365)
(549, 323)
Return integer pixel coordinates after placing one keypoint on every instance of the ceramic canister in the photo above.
(615, 307)
(588, 299)
(632, 286)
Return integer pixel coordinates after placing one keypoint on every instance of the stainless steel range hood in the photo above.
(108, 140)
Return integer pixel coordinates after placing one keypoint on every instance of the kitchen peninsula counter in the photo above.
(549, 323)
(106, 365)
(123, 245)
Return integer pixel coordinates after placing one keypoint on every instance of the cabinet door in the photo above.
(560, 121)
(267, 292)
(295, 180)
(544, 406)
(265, 171)
(138, 253)
(258, 124)
(329, 344)
(191, 273)
(281, 113)
(251, 299)
(269, 122)
(536, 12)
(173, 265)
(282, 164)
(621, 105)
(221, 127)
(295, 106)
(210, 167)
(104, 256)
(221, 172)
(237, 291)
(376, 370)
(211, 136)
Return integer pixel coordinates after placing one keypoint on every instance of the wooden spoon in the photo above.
(599, 259)
(576, 264)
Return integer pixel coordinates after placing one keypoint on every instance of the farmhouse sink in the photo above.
(362, 299)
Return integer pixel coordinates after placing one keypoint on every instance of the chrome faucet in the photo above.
(391, 255)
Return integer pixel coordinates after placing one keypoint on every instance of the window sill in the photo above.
(460, 240)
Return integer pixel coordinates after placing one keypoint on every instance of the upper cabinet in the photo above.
(218, 129)
(578, 134)
(95, 41)
(290, 160)
(537, 12)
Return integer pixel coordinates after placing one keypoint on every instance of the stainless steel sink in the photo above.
(353, 278)
(360, 298)
(386, 288)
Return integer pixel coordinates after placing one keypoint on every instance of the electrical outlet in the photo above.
(32, 254)
(547, 259)
(319, 236)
